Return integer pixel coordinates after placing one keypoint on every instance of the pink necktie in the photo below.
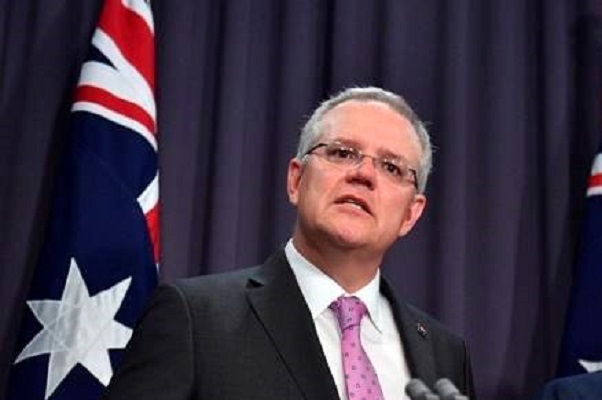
(360, 378)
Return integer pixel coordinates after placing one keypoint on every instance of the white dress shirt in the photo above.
(379, 335)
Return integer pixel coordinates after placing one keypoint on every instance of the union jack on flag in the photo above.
(98, 264)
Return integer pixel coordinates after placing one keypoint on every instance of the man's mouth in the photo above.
(357, 202)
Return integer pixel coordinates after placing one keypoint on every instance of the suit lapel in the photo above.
(275, 297)
(415, 338)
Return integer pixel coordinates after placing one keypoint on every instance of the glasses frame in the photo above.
(361, 156)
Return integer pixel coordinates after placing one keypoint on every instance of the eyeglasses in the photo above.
(394, 169)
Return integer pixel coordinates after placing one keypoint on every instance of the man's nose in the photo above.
(364, 172)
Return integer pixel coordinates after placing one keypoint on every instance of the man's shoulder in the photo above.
(232, 282)
(217, 280)
(213, 292)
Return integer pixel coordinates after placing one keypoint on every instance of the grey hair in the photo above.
(313, 129)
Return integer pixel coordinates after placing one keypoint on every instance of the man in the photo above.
(279, 330)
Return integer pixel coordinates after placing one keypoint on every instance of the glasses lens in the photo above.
(342, 155)
(393, 169)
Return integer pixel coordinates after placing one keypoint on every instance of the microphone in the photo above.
(447, 390)
(417, 390)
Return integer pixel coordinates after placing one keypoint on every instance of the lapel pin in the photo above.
(421, 330)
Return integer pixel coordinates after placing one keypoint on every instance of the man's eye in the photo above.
(342, 153)
(392, 168)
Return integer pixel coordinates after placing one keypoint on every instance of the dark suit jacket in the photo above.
(578, 387)
(249, 335)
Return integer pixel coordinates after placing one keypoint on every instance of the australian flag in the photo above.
(581, 350)
(99, 261)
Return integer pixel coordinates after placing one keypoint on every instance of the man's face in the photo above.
(357, 207)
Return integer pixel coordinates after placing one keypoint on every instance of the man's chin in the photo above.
(350, 240)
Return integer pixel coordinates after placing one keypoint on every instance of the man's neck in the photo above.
(350, 268)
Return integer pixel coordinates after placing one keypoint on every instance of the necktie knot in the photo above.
(349, 311)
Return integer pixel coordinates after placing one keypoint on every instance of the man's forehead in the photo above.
(339, 125)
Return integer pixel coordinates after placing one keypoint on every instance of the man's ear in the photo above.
(413, 214)
(293, 180)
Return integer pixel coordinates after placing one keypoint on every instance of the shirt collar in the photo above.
(319, 290)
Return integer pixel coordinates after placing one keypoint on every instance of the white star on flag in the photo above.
(591, 366)
(78, 329)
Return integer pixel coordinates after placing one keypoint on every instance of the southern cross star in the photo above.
(78, 329)
(591, 366)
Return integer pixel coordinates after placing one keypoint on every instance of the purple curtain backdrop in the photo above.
(510, 88)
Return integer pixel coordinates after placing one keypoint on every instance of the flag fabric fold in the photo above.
(581, 350)
(98, 264)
